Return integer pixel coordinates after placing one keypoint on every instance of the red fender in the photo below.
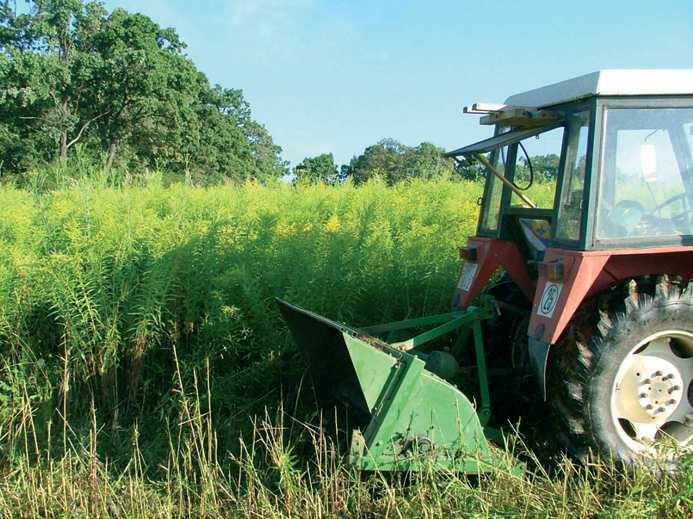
(490, 254)
(586, 273)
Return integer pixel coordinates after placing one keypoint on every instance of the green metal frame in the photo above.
(463, 321)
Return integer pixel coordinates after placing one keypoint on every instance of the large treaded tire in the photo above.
(583, 366)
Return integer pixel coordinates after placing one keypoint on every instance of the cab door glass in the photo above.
(572, 191)
(536, 168)
(494, 190)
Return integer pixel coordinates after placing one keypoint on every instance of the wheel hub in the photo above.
(661, 392)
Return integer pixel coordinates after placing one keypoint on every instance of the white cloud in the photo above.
(265, 13)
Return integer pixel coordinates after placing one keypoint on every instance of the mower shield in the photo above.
(408, 417)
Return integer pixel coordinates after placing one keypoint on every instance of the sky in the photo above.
(335, 76)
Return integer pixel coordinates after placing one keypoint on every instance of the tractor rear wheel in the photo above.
(622, 380)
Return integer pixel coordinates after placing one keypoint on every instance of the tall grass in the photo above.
(144, 366)
(99, 285)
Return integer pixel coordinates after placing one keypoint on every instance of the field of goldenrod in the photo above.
(99, 285)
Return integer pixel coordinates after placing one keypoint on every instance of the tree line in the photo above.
(388, 159)
(394, 162)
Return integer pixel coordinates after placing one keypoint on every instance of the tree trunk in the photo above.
(112, 150)
(63, 144)
(65, 109)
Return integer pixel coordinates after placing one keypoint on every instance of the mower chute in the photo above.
(408, 417)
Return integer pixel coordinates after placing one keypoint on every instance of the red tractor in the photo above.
(588, 271)
(606, 260)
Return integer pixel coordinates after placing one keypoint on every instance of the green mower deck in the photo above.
(411, 418)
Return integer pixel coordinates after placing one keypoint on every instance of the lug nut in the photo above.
(649, 407)
(656, 374)
(643, 395)
(660, 410)
(671, 402)
(667, 377)
(673, 388)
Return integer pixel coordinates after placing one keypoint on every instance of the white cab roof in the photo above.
(609, 83)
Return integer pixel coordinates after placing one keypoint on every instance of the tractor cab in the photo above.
(602, 162)
(597, 162)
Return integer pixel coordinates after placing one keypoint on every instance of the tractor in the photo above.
(578, 280)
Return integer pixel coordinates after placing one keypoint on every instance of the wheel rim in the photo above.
(652, 394)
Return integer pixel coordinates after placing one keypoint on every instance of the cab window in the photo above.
(646, 187)
(572, 203)
(536, 168)
(494, 189)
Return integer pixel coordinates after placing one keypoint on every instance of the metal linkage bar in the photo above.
(446, 324)
(484, 411)
(407, 324)
(505, 181)
(434, 333)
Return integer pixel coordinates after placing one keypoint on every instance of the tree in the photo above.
(45, 69)
(395, 162)
(469, 170)
(121, 85)
(427, 161)
(142, 82)
(545, 167)
(383, 158)
(317, 169)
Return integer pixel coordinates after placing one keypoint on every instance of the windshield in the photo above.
(646, 189)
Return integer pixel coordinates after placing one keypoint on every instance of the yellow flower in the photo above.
(333, 224)
(284, 229)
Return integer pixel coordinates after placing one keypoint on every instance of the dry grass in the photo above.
(265, 477)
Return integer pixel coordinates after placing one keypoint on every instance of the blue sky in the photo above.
(339, 75)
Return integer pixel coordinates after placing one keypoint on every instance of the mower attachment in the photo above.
(409, 417)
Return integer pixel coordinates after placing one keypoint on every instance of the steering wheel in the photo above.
(681, 219)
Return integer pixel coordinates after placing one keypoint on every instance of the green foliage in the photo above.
(395, 162)
(317, 169)
(470, 170)
(104, 282)
(268, 478)
(545, 167)
(140, 348)
(121, 86)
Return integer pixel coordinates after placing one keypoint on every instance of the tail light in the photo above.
(468, 253)
(554, 271)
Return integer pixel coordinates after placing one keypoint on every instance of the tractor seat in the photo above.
(537, 234)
